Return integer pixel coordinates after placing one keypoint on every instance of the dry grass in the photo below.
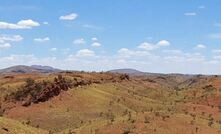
(136, 106)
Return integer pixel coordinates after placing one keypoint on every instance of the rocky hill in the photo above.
(21, 69)
(109, 103)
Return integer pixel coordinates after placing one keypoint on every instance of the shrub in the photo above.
(210, 122)
(126, 132)
(29, 82)
(60, 78)
(30, 89)
(1, 111)
(146, 120)
(124, 77)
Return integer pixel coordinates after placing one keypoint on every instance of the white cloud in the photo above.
(195, 57)
(5, 46)
(95, 44)
(85, 53)
(89, 26)
(23, 24)
(28, 23)
(10, 38)
(16, 60)
(147, 46)
(94, 39)
(53, 49)
(79, 41)
(173, 52)
(141, 60)
(200, 46)
(150, 46)
(71, 16)
(174, 58)
(185, 57)
(190, 14)
(126, 53)
(42, 39)
(6, 39)
(163, 43)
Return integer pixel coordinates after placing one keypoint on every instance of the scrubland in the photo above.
(109, 103)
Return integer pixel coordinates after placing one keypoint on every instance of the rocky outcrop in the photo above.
(35, 92)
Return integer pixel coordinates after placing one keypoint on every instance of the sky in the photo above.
(161, 36)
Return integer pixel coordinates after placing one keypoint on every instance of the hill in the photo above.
(8, 126)
(107, 103)
(128, 71)
(21, 69)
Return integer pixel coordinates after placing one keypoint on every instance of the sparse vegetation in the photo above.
(81, 102)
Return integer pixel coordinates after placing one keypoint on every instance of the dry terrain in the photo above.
(109, 103)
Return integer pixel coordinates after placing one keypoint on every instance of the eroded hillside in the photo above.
(110, 103)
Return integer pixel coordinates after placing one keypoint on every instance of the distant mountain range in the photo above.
(132, 72)
(21, 69)
(140, 73)
(127, 71)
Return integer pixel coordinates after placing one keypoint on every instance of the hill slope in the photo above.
(127, 71)
(109, 103)
(21, 69)
(8, 126)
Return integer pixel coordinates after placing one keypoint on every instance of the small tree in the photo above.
(1, 110)
(60, 78)
(146, 120)
(29, 82)
(126, 132)
(210, 122)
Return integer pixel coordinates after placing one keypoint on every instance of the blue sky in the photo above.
(150, 35)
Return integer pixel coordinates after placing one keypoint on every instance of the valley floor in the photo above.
(138, 105)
